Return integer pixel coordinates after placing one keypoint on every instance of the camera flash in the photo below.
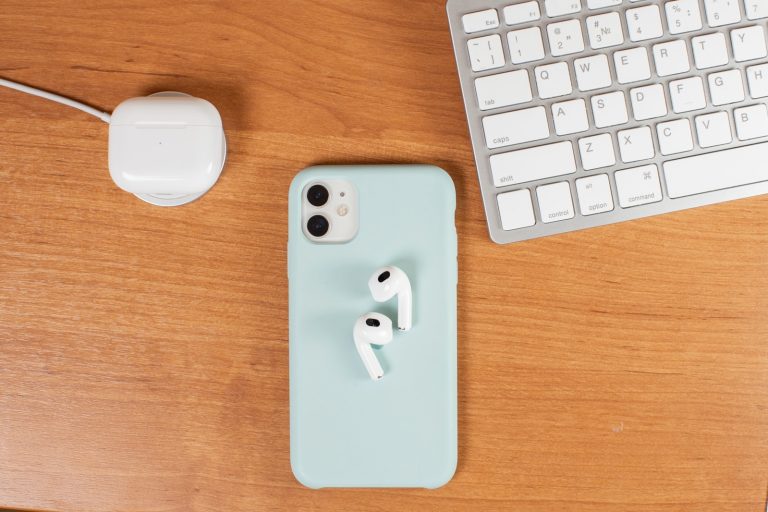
(342, 210)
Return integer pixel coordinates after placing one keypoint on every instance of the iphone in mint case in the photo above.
(346, 429)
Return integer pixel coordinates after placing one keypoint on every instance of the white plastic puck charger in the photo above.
(168, 149)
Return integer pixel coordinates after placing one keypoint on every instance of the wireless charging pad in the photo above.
(170, 200)
(167, 149)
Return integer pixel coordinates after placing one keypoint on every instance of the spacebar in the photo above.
(717, 171)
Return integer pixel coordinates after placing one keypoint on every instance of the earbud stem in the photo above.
(404, 311)
(369, 361)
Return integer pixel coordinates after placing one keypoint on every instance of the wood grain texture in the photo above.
(143, 351)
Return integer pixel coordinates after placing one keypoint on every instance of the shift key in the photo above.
(533, 164)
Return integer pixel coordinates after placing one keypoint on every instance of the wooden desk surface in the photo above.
(143, 351)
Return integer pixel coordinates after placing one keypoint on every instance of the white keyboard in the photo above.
(588, 112)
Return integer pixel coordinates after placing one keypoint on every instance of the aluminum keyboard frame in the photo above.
(458, 8)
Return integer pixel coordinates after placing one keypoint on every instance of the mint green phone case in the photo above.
(347, 430)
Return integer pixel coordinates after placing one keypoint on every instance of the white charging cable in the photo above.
(104, 116)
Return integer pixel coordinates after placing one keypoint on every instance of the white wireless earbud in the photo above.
(372, 329)
(387, 282)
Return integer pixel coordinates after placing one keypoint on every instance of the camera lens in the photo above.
(318, 226)
(317, 195)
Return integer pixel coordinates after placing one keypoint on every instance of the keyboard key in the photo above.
(537, 163)
(632, 65)
(758, 80)
(553, 80)
(644, 23)
(503, 90)
(600, 4)
(687, 94)
(722, 12)
(675, 137)
(597, 152)
(486, 53)
(751, 122)
(756, 9)
(636, 144)
(714, 129)
(594, 195)
(516, 127)
(749, 43)
(570, 117)
(648, 102)
(638, 186)
(609, 109)
(562, 7)
(710, 51)
(726, 87)
(555, 202)
(516, 210)
(683, 16)
(671, 58)
(716, 171)
(479, 21)
(522, 13)
(605, 30)
(525, 45)
(592, 73)
(565, 38)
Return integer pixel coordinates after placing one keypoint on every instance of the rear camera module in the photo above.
(318, 226)
(317, 195)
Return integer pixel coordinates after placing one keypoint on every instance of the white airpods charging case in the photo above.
(168, 149)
